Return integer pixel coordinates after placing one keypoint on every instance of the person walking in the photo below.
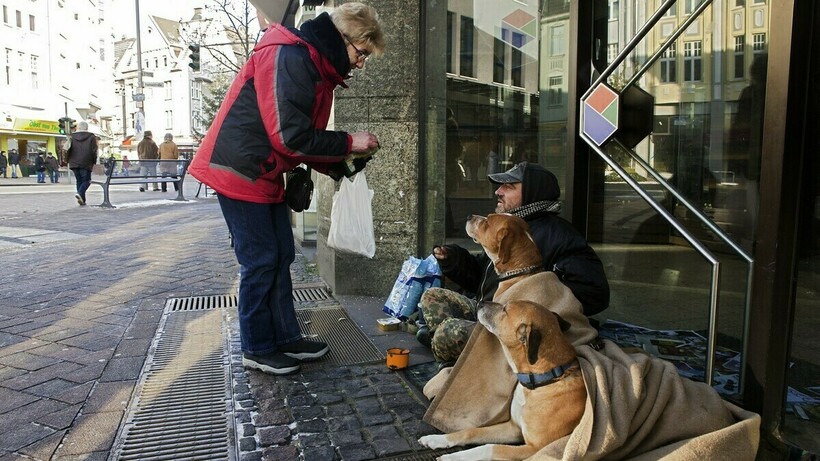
(169, 156)
(148, 153)
(52, 168)
(81, 158)
(273, 119)
(531, 192)
(14, 163)
(40, 167)
(4, 162)
(126, 165)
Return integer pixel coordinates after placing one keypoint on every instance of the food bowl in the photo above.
(397, 358)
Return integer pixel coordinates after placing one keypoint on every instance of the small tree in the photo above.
(237, 18)
(212, 98)
(236, 21)
(242, 29)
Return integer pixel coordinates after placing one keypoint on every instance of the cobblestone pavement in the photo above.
(350, 413)
(83, 290)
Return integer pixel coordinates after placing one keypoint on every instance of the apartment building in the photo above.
(55, 58)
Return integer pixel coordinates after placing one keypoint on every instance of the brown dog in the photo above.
(550, 397)
(507, 241)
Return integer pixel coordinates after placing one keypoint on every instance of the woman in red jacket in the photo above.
(273, 118)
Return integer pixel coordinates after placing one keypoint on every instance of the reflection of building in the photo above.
(696, 83)
(45, 74)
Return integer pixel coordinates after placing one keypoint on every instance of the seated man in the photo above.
(531, 192)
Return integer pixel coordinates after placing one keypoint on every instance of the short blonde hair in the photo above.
(360, 23)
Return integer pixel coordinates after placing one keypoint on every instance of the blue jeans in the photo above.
(83, 177)
(54, 176)
(41, 176)
(263, 243)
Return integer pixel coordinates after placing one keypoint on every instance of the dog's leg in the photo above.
(506, 432)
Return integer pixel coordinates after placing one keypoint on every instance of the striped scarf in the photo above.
(536, 209)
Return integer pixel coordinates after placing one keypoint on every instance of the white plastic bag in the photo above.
(351, 218)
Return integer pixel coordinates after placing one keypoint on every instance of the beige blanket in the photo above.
(641, 408)
(638, 407)
(482, 372)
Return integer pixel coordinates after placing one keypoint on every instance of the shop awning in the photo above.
(25, 126)
(30, 133)
(128, 143)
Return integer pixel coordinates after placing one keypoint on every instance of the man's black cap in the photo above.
(538, 182)
(513, 175)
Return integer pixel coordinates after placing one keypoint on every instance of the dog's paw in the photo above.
(435, 441)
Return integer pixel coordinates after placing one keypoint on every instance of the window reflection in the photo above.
(495, 82)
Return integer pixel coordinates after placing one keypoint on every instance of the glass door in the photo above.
(674, 117)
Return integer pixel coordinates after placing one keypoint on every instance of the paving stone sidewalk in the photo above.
(349, 413)
(83, 290)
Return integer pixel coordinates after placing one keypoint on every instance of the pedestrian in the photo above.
(81, 158)
(14, 163)
(126, 165)
(4, 162)
(53, 168)
(273, 119)
(531, 192)
(40, 167)
(169, 158)
(148, 153)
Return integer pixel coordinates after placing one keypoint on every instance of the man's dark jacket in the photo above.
(564, 249)
(83, 150)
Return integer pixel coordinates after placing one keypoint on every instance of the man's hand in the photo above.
(364, 142)
(440, 252)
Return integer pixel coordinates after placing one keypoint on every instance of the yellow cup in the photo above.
(397, 358)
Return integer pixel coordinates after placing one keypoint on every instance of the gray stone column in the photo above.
(383, 98)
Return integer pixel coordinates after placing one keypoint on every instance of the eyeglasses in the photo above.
(360, 54)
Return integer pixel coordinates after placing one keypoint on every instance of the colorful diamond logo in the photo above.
(518, 28)
(601, 114)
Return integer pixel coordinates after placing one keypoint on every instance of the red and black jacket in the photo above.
(275, 113)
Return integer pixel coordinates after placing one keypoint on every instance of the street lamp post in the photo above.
(140, 122)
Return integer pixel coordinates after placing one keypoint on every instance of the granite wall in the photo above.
(382, 98)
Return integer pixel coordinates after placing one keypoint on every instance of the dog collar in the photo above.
(534, 380)
(516, 272)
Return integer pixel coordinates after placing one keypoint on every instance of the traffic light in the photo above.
(67, 125)
(194, 64)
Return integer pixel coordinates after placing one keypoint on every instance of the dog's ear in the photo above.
(505, 245)
(563, 324)
(533, 343)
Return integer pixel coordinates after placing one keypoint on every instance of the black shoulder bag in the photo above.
(298, 189)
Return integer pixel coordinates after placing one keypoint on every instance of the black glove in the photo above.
(343, 169)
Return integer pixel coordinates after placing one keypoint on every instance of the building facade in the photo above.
(681, 135)
(45, 75)
(172, 95)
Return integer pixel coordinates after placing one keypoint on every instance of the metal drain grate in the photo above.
(348, 345)
(183, 408)
(428, 455)
(198, 303)
(308, 294)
